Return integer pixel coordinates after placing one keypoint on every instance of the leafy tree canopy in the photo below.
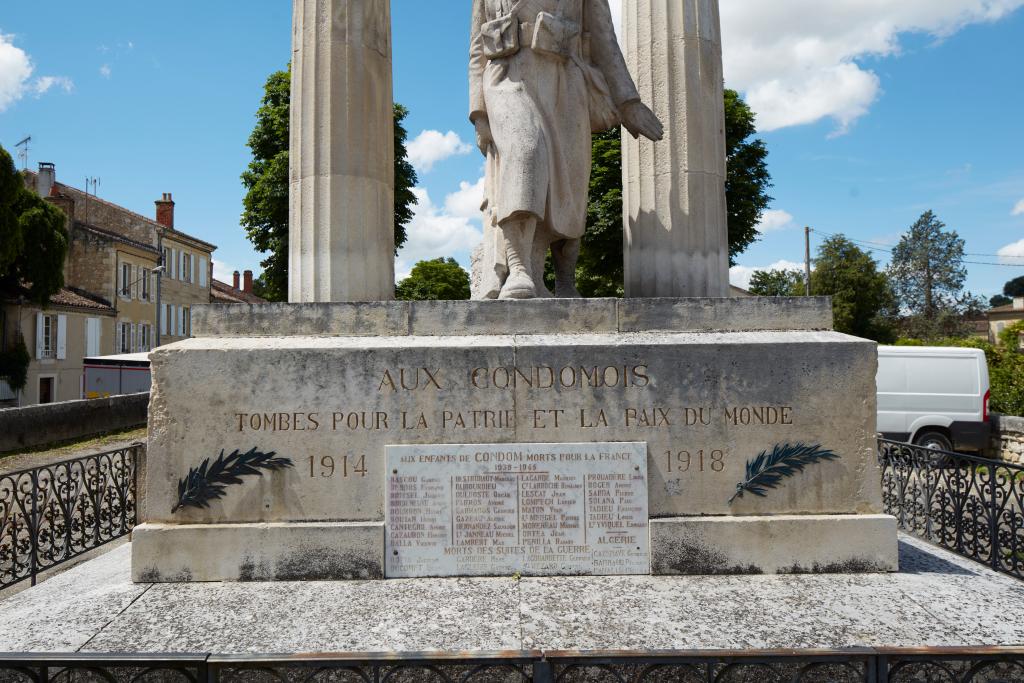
(862, 298)
(927, 268)
(999, 300)
(1014, 287)
(778, 283)
(33, 237)
(265, 207)
(440, 279)
(600, 269)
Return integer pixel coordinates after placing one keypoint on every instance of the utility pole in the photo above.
(807, 259)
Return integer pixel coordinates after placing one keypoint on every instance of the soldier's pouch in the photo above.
(554, 36)
(500, 37)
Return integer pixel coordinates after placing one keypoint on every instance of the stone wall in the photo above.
(1008, 438)
(56, 422)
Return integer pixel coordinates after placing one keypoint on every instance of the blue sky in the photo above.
(873, 111)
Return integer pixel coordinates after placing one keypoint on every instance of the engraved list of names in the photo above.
(538, 509)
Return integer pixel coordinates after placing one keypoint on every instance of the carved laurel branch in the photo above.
(208, 482)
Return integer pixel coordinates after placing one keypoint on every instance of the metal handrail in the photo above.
(969, 504)
(57, 512)
(851, 665)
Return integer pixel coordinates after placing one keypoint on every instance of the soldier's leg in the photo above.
(541, 245)
(519, 232)
(565, 254)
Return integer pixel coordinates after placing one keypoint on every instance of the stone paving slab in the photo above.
(937, 599)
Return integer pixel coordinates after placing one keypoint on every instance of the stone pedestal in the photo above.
(676, 233)
(706, 385)
(341, 236)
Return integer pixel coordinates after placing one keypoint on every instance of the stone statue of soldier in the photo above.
(544, 75)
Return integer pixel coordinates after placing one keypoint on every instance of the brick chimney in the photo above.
(247, 287)
(235, 280)
(165, 211)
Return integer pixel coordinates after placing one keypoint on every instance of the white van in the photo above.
(935, 397)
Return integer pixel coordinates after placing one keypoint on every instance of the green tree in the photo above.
(777, 283)
(747, 178)
(1014, 287)
(34, 237)
(999, 300)
(927, 269)
(863, 303)
(265, 207)
(600, 272)
(440, 279)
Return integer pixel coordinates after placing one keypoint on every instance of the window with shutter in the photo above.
(62, 337)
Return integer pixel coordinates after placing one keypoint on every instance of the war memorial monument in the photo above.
(676, 431)
(529, 486)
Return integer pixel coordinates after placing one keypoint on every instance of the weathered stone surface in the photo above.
(674, 191)
(532, 509)
(797, 544)
(547, 316)
(164, 553)
(937, 599)
(740, 314)
(341, 235)
(704, 403)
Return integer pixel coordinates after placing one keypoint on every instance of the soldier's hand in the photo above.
(484, 139)
(640, 120)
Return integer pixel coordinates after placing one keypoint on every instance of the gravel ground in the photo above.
(23, 460)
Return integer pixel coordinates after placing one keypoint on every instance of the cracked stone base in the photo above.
(171, 553)
(778, 544)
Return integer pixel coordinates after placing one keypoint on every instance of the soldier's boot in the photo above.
(518, 252)
(565, 254)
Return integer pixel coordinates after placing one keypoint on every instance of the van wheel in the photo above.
(934, 440)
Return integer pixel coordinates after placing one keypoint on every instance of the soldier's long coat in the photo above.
(538, 109)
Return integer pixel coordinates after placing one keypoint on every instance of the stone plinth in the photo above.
(676, 233)
(695, 380)
(341, 236)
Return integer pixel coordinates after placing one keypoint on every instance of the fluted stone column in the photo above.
(676, 234)
(341, 230)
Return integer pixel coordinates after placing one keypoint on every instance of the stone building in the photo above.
(1001, 317)
(130, 285)
(238, 292)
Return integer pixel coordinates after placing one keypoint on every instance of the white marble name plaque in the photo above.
(498, 509)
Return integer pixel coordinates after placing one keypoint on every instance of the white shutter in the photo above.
(181, 265)
(132, 348)
(203, 267)
(195, 264)
(62, 337)
(40, 342)
(92, 337)
(163, 319)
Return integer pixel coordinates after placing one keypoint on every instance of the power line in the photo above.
(889, 248)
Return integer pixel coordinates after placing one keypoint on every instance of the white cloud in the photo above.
(15, 71)
(797, 61)
(739, 276)
(438, 231)
(105, 71)
(1018, 210)
(1012, 253)
(432, 146)
(774, 220)
(465, 203)
(43, 85)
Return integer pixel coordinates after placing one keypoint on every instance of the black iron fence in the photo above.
(973, 506)
(54, 513)
(980, 665)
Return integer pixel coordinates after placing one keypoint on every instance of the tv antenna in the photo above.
(23, 151)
